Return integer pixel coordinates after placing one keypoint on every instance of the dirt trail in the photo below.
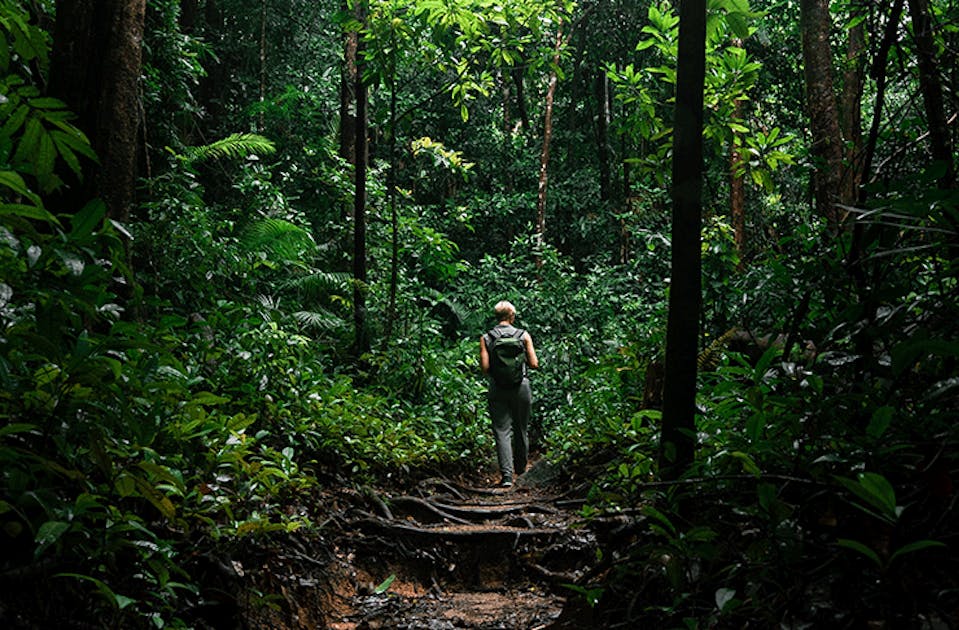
(445, 554)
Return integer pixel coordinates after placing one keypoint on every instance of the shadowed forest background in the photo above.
(247, 249)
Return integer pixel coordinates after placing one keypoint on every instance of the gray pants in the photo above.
(509, 409)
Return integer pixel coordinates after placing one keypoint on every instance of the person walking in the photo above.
(505, 354)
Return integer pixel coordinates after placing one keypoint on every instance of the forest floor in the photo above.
(437, 554)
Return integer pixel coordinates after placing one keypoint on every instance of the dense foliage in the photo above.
(180, 385)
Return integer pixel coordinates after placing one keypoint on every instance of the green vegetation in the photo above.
(185, 382)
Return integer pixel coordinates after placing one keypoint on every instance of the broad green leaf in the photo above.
(749, 465)
(89, 218)
(17, 427)
(49, 533)
(27, 212)
(855, 545)
(917, 545)
(880, 421)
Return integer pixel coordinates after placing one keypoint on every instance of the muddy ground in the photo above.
(438, 554)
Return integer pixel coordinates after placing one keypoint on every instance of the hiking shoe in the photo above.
(506, 483)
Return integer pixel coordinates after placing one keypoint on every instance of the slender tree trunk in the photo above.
(601, 92)
(851, 110)
(211, 85)
(347, 96)
(188, 14)
(260, 123)
(678, 439)
(827, 143)
(737, 181)
(737, 189)
(878, 73)
(931, 86)
(544, 156)
(624, 252)
(504, 94)
(391, 198)
(520, 82)
(95, 69)
(361, 343)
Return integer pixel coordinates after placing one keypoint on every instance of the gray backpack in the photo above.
(507, 357)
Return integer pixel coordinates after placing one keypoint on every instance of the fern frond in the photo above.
(320, 320)
(236, 145)
(321, 282)
(279, 238)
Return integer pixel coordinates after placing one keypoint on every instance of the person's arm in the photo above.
(484, 355)
(531, 359)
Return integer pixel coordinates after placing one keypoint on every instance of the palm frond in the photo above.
(236, 145)
(281, 239)
(319, 320)
(322, 282)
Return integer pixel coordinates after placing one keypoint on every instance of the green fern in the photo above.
(322, 282)
(236, 145)
(282, 240)
(320, 320)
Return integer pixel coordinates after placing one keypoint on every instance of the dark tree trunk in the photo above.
(211, 85)
(678, 439)
(878, 73)
(347, 96)
(930, 84)
(188, 15)
(95, 69)
(260, 122)
(544, 155)
(520, 82)
(827, 143)
(601, 92)
(851, 110)
(361, 342)
(391, 315)
(504, 94)
(737, 190)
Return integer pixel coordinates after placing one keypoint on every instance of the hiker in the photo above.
(505, 354)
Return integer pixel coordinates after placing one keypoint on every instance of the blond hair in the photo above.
(504, 310)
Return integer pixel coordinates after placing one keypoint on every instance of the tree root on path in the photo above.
(447, 531)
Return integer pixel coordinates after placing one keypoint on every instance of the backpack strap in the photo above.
(497, 333)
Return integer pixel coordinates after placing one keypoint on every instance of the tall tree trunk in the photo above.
(737, 188)
(678, 439)
(391, 197)
(504, 94)
(262, 95)
(827, 142)
(520, 82)
(878, 73)
(211, 85)
(931, 87)
(601, 92)
(851, 110)
(361, 342)
(188, 15)
(347, 95)
(544, 155)
(624, 251)
(737, 181)
(95, 69)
